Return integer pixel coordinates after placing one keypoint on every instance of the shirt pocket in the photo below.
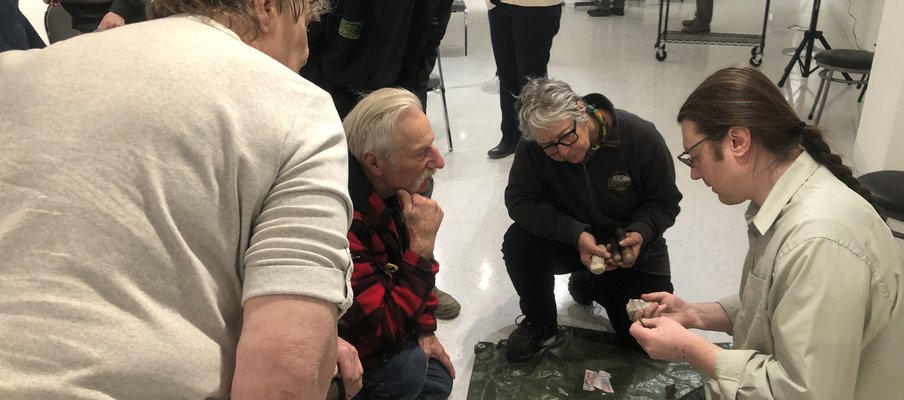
(751, 328)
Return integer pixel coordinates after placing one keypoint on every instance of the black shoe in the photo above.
(617, 11)
(528, 339)
(503, 149)
(689, 22)
(580, 288)
(695, 29)
(596, 12)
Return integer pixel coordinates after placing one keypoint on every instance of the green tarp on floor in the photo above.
(557, 372)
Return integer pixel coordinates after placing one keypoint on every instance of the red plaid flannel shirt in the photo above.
(393, 286)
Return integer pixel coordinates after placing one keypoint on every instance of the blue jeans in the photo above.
(406, 376)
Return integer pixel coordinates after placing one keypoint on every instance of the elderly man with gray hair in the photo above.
(391, 322)
(173, 227)
(585, 173)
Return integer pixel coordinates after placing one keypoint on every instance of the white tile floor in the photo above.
(613, 56)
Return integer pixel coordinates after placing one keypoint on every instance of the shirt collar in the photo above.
(763, 217)
(210, 22)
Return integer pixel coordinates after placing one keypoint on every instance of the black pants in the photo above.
(521, 39)
(16, 33)
(532, 264)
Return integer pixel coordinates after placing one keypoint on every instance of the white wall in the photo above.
(34, 11)
(880, 137)
(868, 14)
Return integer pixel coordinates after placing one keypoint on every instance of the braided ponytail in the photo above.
(813, 142)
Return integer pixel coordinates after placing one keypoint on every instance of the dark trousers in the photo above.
(16, 33)
(704, 15)
(407, 375)
(521, 39)
(532, 264)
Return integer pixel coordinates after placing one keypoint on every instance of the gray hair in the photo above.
(371, 126)
(544, 102)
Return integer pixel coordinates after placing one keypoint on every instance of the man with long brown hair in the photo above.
(820, 312)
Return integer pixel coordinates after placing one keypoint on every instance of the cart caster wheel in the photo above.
(661, 55)
(756, 60)
(755, 50)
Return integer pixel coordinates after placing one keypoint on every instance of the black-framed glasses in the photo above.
(685, 156)
(567, 139)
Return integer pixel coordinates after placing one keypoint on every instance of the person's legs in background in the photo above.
(502, 40)
(604, 9)
(614, 288)
(521, 38)
(702, 18)
(532, 264)
(16, 33)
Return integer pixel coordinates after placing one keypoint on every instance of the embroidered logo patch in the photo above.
(620, 181)
(350, 29)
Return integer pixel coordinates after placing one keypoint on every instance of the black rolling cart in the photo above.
(664, 35)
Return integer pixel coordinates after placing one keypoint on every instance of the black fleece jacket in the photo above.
(558, 200)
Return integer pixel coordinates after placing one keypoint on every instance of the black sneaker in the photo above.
(528, 339)
(503, 149)
(596, 12)
(695, 29)
(617, 11)
(689, 22)
(580, 287)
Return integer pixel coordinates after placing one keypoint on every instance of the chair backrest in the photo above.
(58, 24)
(436, 81)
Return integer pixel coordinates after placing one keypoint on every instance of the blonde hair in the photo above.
(239, 13)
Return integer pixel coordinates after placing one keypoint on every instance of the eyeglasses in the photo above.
(686, 158)
(566, 140)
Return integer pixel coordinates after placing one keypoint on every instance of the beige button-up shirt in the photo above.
(819, 315)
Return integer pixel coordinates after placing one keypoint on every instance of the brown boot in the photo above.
(448, 307)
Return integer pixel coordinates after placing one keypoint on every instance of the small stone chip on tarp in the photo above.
(597, 380)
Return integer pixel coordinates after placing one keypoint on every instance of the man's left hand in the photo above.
(349, 366)
(434, 349)
(665, 339)
(111, 20)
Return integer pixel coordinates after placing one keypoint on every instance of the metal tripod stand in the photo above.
(806, 47)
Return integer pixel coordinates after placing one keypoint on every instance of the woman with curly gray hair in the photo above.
(592, 188)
